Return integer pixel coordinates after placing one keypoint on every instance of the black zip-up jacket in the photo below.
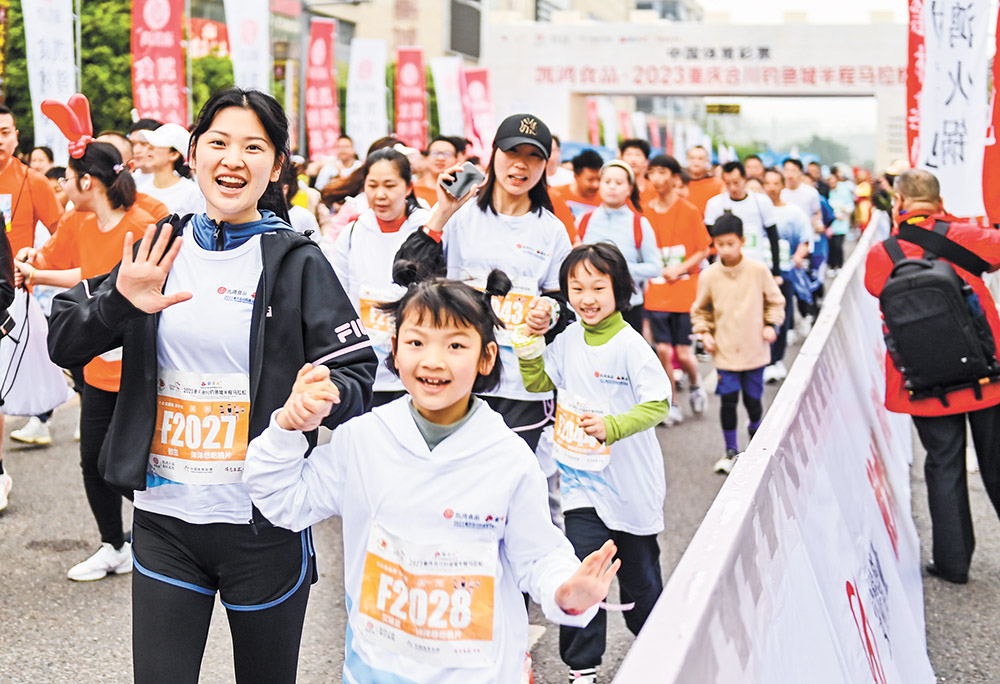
(300, 314)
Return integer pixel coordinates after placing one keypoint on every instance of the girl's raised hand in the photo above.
(589, 584)
(594, 426)
(539, 317)
(312, 398)
(141, 277)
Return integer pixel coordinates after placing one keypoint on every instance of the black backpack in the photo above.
(935, 329)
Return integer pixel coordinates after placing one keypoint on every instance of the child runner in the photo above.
(611, 391)
(683, 243)
(615, 222)
(363, 254)
(737, 312)
(247, 302)
(443, 508)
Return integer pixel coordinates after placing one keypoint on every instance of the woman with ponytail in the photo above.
(216, 316)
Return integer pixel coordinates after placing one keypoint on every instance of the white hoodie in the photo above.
(479, 488)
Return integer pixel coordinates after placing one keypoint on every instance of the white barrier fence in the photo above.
(807, 566)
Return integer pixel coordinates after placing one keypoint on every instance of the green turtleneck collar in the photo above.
(596, 335)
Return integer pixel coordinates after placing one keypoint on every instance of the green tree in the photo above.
(829, 151)
(209, 75)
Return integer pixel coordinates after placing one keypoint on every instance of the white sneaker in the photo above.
(770, 374)
(588, 676)
(76, 432)
(106, 561)
(725, 464)
(33, 432)
(698, 400)
(780, 371)
(5, 485)
(674, 417)
(792, 337)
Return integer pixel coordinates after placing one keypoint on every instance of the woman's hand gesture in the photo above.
(141, 277)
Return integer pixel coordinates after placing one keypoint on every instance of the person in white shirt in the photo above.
(345, 163)
(556, 174)
(167, 161)
(801, 194)
(443, 507)
(755, 210)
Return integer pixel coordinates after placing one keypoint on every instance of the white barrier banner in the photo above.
(367, 115)
(48, 38)
(249, 28)
(447, 75)
(953, 100)
(807, 566)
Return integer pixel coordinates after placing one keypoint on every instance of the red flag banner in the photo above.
(916, 63)
(480, 126)
(411, 97)
(625, 121)
(991, 155)
(158, 81)
(654, 132)
(593, 122)
(322, 112)
(208, 37)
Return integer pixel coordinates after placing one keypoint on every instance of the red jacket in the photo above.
(985, 242)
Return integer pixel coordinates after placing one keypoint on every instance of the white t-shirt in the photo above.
(479, 490)
(362, 258)
(794, 228)
(142, 180)
(183, 197)
(756, 212)
(529, 249)
(203, 356)
(613, 377)
(805, 197)
(562, 176)
(302, 220)
(330, 171)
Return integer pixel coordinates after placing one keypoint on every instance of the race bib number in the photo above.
(433, 603)
(202, 423)
(513, 308)
(379, 324)
(572, 446)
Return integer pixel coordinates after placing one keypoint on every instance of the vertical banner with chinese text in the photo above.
(446, 72)
(249, 28)
(953, 101)
(158, 82)
(48, 38)
(916, 65)
(654, 132)
(478, 105)
(991, 156)
(367, 116)
(593, 122)
(411, 97)
(322, 112)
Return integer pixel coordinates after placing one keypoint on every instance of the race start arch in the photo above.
(550, 69)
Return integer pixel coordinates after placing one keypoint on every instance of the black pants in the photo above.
(943, 437)
(263, 579)
(781, 343)
(639, 578)
(836, 259)
(633, 317)
(526, 418)
(96, 408)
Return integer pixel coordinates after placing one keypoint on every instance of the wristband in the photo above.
(31, 276)
(555, 309)
(434, 235)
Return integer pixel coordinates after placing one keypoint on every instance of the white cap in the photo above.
(170, 135)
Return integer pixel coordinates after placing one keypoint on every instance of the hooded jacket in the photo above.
(481, 484)
(301, 314)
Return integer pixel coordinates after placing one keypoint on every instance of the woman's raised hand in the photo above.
(141, 277)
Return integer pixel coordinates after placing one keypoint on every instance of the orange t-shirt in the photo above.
(568, 206)
(428, 195)
(702, 190)
(151, 206)
(29, 196)
(680, 232)
(79, 243)
(646, 197)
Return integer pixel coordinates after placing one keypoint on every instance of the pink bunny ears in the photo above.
(73, 120)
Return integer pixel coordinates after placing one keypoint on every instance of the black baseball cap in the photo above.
(521, 129)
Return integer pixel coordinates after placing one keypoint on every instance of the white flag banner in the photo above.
(609, 121)
(447, 75)
(640, 126)
(249, 25)
(48, 37)
(367, 117)
(953, 100)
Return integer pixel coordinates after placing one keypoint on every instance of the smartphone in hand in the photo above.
(466, 179)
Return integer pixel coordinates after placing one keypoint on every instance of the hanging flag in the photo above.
(322, 112)
(158, 80)
(916, 64)
(640, 126)
(446, 72)
(367, 116)
(51, 64)
(477, 103)
(249, 29)
(654, 131)
(593, 122)
(625, 122)
(606, 111)
(991, 155)
(411, 97)
(953, 101)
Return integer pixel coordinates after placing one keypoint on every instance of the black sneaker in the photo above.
(934, 571)
(725, 464)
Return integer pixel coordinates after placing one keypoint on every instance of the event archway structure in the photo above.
(551, 69)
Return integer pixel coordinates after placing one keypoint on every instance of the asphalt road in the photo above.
(55, 630)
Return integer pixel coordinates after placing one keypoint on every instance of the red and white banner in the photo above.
(367, 117)
(158, 80)
(447, 75)
(593, 122)
(991, 156)
(48, 38)
(249, 24)
(322, 113)
(953, 101)
(208, 38)
(916, 65)
(411, 97)
(625, 123)
(477, 103)
(654, 132)
(807, 566)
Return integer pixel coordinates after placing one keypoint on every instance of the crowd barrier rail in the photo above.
(806, 567)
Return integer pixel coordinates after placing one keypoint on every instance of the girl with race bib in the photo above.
(612, 390)
(444, 508)
(215, 316)
(364, 252)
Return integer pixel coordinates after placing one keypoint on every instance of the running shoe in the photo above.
(107, 561)
(725, 464)
(5, 485)
(33, 432)
(698, 400)
(587, 676)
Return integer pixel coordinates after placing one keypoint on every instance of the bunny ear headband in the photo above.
(73, 120)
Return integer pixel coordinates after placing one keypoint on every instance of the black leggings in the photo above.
(96, 408)
(754, 407)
